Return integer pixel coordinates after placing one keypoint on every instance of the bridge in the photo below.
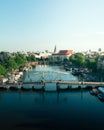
(65, 82)
(43, 81)
(42, 84)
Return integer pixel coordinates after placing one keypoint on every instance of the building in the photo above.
(44, 55)
(63, 54)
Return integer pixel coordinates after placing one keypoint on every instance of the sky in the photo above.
(39, 25)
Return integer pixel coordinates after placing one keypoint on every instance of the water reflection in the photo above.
(49, 73)
(24, 110)
(55, 98)
(50, 110)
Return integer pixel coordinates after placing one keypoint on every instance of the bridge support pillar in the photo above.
(69, 87)
(79, 87)
(57, 86)
(43, 85)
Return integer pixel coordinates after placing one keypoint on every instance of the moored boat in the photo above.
(101, 90)
(94, 91)
(101, 93)
(101, 96)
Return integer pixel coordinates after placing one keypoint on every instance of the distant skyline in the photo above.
(39, 25)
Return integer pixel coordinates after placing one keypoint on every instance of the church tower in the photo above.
(55, 49)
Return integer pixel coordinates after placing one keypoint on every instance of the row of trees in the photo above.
(12, 63)
(77, 59)
(81, 60)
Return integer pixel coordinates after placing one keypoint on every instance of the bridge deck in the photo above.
(59, 82)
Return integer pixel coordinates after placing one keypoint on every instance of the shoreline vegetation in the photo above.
(84, 67)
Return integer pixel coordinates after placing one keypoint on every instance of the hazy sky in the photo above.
(38, 25)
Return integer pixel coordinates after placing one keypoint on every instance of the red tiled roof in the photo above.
(65, 52)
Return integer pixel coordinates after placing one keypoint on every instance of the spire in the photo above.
(55, 49)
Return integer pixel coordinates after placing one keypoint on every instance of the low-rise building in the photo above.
(39, 55)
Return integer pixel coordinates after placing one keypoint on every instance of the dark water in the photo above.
(77, 110)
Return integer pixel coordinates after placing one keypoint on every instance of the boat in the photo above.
(101, 90)
(101, 93)
(94, 91)
(67, 68)
(101, 96)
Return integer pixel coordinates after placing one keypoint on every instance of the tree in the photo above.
(59, 58)
(78, 59)
(72, 58)
(31, 58)
(2, 70)
(11, 64)
(20, 60)
(51, 59)
(92, 64)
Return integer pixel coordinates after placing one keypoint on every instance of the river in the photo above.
(50, 110)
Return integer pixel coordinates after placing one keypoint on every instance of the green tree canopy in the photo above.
(31, 58)
(10, 64)
(77, 59)
(20, 59)
(2, 70)
(92, 64)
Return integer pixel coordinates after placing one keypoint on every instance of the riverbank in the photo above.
(15, 76)
(84, 74)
